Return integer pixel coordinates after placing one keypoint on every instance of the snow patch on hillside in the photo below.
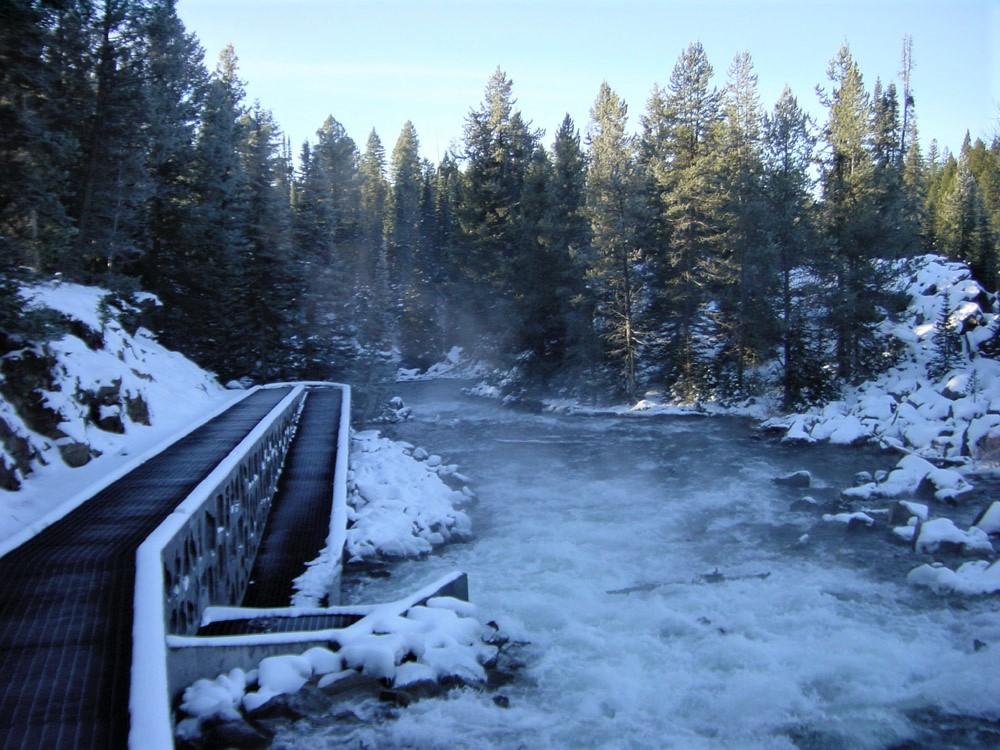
(79, 406)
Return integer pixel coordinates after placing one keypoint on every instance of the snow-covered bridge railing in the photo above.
(203, 553)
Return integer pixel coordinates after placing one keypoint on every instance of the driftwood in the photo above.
(714, 577)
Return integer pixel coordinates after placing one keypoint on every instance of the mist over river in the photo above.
(671, 598)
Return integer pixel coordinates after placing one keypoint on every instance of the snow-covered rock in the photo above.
(971, 578)
(989, 519)
(852, 520)
(399, 506)
(440, 639)
(942, 533)
(912, 476)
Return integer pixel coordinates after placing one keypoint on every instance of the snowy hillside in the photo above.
(93, 397)
(950, 414)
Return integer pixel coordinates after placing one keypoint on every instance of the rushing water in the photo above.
(832, 649)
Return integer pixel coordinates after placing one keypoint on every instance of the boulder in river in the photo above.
(801, 478)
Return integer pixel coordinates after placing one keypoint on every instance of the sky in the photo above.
(378, 63)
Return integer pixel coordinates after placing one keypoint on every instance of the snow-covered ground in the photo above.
(114, 378)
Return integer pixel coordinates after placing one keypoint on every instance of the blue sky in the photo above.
(379, 63)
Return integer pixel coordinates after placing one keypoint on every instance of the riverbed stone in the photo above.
(801, 478)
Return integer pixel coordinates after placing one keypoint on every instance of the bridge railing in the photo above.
(202, 554)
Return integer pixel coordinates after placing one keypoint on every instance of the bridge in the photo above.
(102, 603)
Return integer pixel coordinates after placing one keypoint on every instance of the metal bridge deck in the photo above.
(299, 522)
(66, 595)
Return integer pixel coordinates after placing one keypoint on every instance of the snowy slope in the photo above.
(76, 407)
(955, 416)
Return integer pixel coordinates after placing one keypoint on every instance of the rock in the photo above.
(278, 707)
(862, 477)
(800, 478)
(74, 454)
(397, 697)
(8, 476)
(805, 503)
(109, 419)
(942, 535)
(420, 454)
(396, 403)
(233, 733)
(501, 700)
(137, 409)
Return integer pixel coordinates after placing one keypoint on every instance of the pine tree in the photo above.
(175, 89)
(685, 170)
(851, 219)
(404, 216)
(270, 286)
(497, 150)
(946, 342)
(743, 274)
(788, 185)
(614, 205)
(570, 249)
(34, 228)
(964, 230)
(205, 304)
(111, 179)
(374, 299)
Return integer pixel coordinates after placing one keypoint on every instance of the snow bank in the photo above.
(455, 366)
(955, 416)
(92, 400)
(399, 501)
(440, 639)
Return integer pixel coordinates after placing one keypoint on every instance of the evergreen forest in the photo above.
(714, 233)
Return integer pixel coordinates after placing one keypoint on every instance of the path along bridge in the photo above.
(101, 609)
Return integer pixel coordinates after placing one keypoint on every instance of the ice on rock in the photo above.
(932, 535)
(971, 578)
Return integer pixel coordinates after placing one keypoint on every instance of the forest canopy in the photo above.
(724, 233)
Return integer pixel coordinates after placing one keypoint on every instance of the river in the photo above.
(669, 597)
